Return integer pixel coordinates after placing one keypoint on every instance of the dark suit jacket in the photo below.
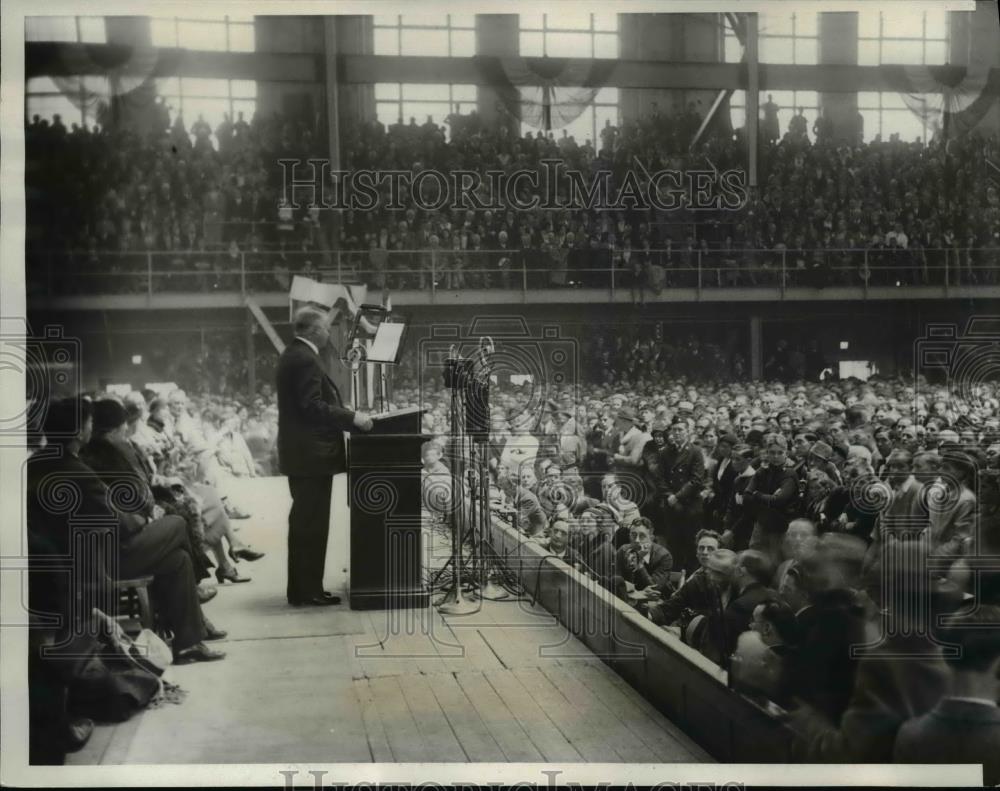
(953, 732)
(121, 470)
(684, 474)
(655, 573)
(311, 416)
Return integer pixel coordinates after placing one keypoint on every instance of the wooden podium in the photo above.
(384, 496)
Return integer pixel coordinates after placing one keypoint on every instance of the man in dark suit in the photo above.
(311, 422)
(964, 726)
(684, 473)
(643, 563)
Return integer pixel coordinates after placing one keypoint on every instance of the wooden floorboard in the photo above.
(439, 736)
(581, 733)
(404, 737)
(475, 738)
(545, 735)
(617, 736)
(662, 737)
(378, 742)
(517, 745)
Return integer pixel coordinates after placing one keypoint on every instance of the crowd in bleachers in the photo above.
(774, 525)
(111, 195)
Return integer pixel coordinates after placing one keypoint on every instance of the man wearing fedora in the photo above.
(680, 497)
(628, 459)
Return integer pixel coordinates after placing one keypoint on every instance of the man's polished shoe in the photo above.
(198, 653)
(206, 593)
(324, 599)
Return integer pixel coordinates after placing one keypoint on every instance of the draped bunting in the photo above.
(546, 93)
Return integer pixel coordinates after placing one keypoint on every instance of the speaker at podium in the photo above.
(384, 497)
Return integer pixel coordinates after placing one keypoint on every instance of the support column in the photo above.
(497, 35)
(251, 355)
(753, 98)
(332, 95)
(756, 349)
(838, 46)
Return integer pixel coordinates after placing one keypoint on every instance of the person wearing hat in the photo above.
(628, 459)
(953, 524)
(821, 457)
(699, 596)
(602, 443)
(680, 495)
(772, 496)
(522, 445)
(721, 481)
(150, 543)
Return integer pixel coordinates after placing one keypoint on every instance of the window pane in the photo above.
(606, 46)
(420, 110)
(901, 122)
(606, 96)
(567, 45)
(531, 45)
(899, 51)
(868, 53)
(583, 127)
(776, 50)
(201, 35)
(807, 99)
(604, 114)
(937, 23)
(733, 49)
(425, 20)
(892, 101)
(424, 42)
(465, 93)
(568, 20)
(168, 86)
(417, 92)
(530, 21)
(243, 89)
(775, 25)
(198, 86)
(164, 32)
(212, 110)
(50, 106)
(241, 38)
(606, 22)
(52, 28)
(806, 23)
(868, 99)
(387, 112)
(246, 106)
(868, 24)
(93, 30)
(902, 24)
(463, 43)
(386, 90)
(386, 41)
(807, 51)
(462, 20)
(42, 85)
(936, 52)
(390, 20)
(737, 116)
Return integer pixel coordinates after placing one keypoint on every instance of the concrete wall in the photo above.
(686, 38)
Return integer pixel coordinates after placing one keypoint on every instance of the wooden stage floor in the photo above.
(331, 685)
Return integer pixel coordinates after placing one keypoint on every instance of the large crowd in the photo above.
(825, 213)
(772, 526)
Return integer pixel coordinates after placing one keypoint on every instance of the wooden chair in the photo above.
(133, 603)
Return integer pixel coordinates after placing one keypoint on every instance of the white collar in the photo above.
(965, 699)
(308, 343)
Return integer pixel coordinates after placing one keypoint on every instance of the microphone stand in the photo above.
(452, 602)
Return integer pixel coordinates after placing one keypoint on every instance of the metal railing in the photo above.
(642, 273)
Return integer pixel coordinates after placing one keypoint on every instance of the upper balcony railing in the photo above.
(643, 274)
